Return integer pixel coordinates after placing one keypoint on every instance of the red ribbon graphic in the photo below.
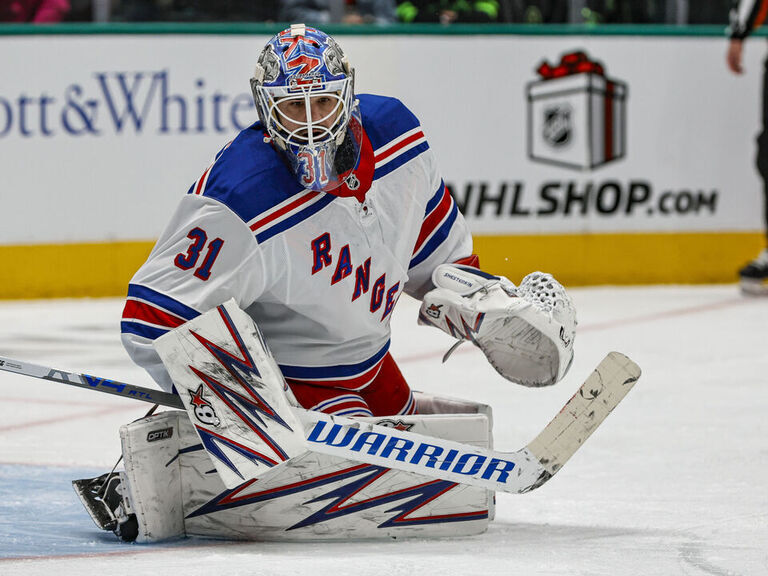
(573, 63)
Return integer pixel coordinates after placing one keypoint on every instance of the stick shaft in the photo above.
(534, 464)
(90, 382)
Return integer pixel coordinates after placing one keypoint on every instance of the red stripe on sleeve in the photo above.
(283, 210)
(135, 310)
(398, 146)
(760, 19)
(432, 221)
(200, 182)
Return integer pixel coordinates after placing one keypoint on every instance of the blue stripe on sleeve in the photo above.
(163, 301)
(400, 160)
(435, 200)
(295, 219)
(438, 238)
(141, 330)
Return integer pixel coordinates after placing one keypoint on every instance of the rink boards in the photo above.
(625, 172)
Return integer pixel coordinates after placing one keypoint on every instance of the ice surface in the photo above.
(674, 482)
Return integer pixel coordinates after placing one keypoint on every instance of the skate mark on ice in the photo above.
(692, 553)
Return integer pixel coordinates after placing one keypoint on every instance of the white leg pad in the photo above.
(175, 489)
(153, 471)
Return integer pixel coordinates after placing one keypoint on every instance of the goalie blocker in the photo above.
(526, 332)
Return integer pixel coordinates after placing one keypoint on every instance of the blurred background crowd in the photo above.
(382, 12)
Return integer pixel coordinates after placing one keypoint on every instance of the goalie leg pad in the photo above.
(175, 489)
(152, 477)
(318, 496)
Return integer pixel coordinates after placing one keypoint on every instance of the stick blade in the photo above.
(602, 391)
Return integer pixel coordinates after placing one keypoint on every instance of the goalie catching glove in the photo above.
(525, 331)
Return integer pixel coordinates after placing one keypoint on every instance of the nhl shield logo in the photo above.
(557, 127)
(352, 182)
(576, 113)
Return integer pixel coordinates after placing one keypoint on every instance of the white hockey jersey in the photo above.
(319, 273)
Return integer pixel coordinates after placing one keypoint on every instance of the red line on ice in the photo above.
(133, 551)
(67, 418)
(618, 323)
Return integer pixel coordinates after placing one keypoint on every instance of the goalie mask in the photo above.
(303, 88)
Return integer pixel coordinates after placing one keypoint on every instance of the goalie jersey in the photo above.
(319, 273)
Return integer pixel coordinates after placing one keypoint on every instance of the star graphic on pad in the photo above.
(197, 398)
(396, 424)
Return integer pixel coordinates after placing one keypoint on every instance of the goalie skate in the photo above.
(103, 498)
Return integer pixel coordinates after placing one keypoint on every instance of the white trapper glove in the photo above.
(526, 332)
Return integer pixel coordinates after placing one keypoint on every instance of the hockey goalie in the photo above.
(265, 305)
(246, 461)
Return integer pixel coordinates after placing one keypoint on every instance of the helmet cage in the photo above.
(287, 131)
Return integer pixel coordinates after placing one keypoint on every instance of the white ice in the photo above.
(674, 482)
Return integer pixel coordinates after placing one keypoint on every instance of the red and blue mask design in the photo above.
(303, 88)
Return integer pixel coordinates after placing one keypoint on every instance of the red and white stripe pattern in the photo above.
(355, 405)
(348, 404)
(344, 405)
(149, 314)
(283, 211)
(434, 219)
(199, 187)
(398, 146)
(410, 406)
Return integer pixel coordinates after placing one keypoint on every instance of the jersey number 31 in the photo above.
(188, 260)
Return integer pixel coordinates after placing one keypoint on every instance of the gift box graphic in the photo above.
(576, 114)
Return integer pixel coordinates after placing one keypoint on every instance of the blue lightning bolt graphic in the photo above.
(363, 475)
(249, 406)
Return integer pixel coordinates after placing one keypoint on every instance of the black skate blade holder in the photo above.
(91, 493)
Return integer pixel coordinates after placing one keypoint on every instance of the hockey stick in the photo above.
(516, 472)
(90, 382)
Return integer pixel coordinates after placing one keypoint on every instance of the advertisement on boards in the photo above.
(100, 136)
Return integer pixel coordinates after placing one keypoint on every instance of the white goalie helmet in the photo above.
(303, 87)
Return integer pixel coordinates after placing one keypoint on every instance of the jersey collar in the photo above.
(358, 181)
